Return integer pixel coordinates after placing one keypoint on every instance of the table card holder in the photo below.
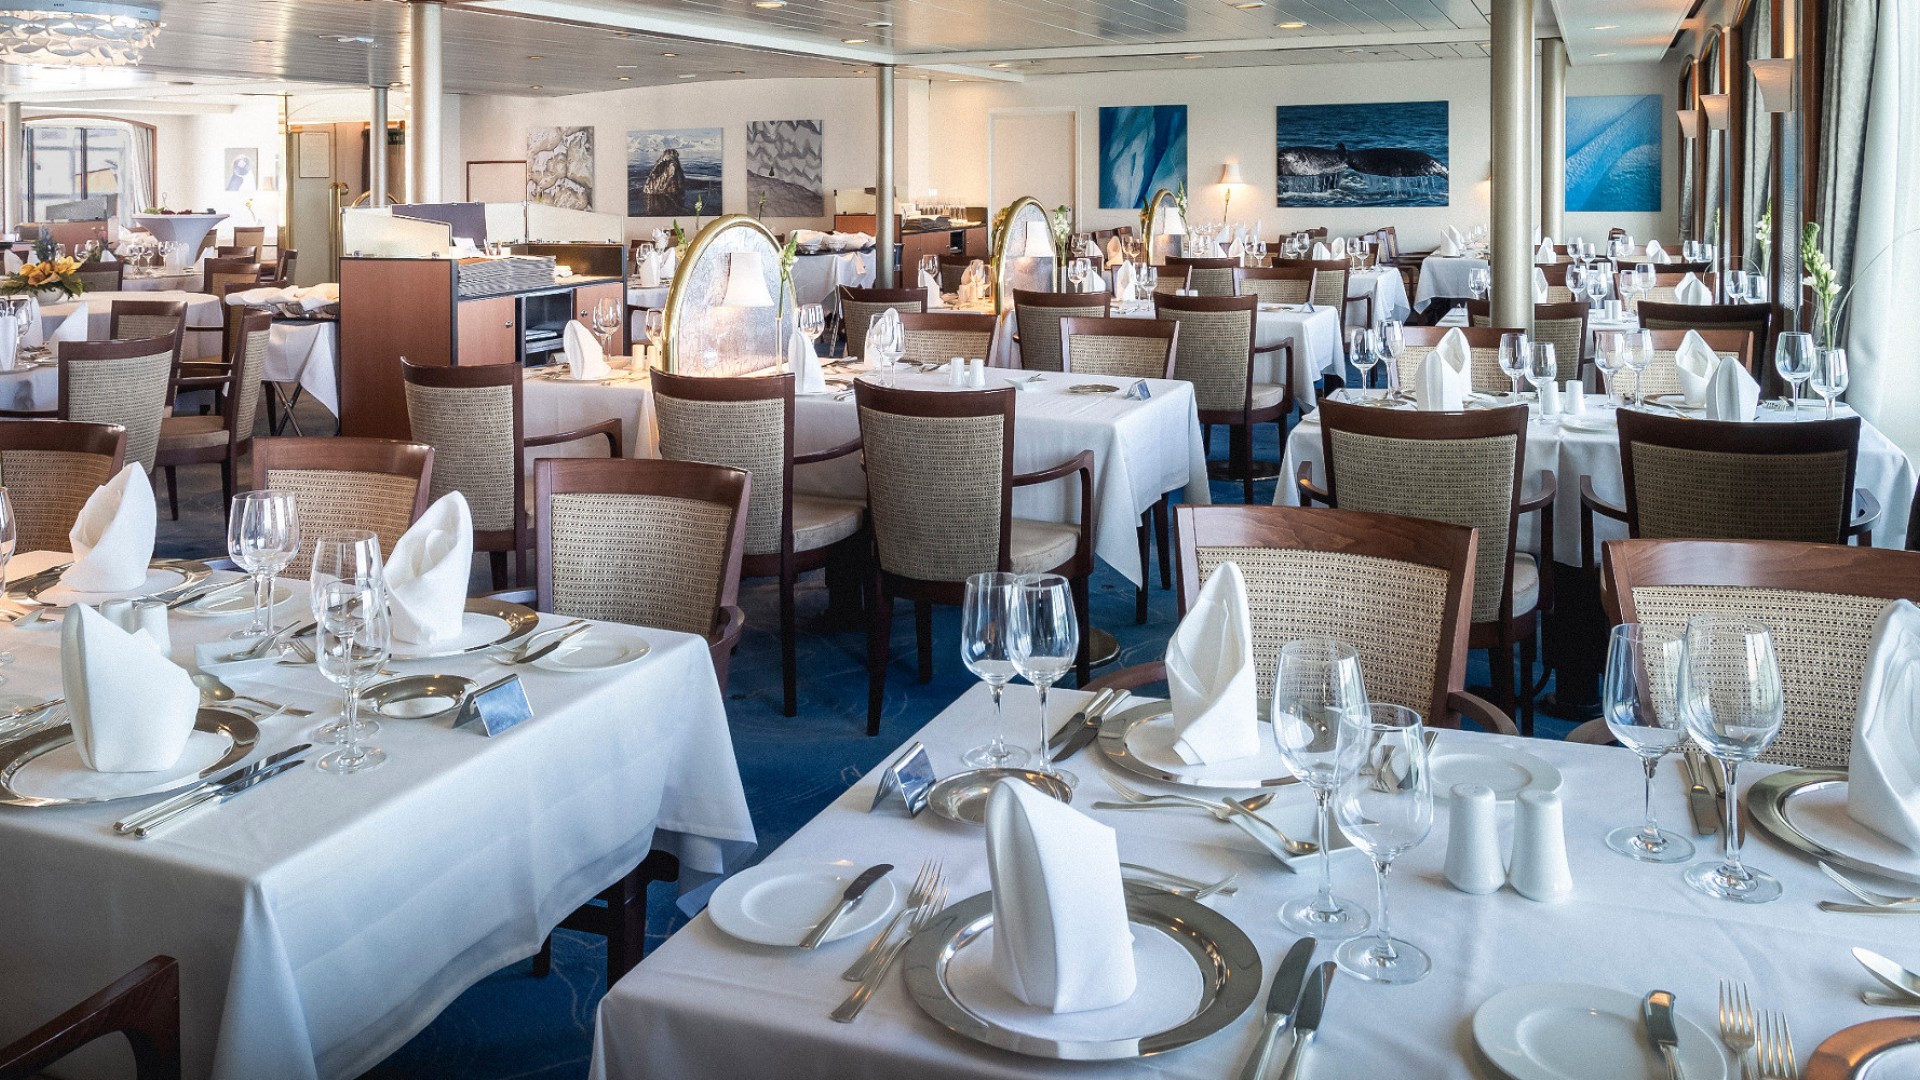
(497, 706)
(910, 776)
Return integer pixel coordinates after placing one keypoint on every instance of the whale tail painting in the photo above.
(1362, 155)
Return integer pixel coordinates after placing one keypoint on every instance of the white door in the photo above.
(1032, 152)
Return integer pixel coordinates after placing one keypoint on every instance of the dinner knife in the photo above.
(554, 644)
(1090, 730)
(1306, 1016)
(1288, 983)
(219, 795)
(1657, 1011)
(1699, 796)
(1078, 722)
(847, 899)
(206, 789)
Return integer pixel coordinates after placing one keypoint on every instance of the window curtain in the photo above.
(1886, 242)
(1852, 26)
(137, 184)
(1758, 188)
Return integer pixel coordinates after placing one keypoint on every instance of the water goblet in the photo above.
(1609, 356)
(1731, 698)
(1543, 369)
(654, 325)
(884, 344)
(355, 636)
(1515, 356)
(1639, 357)
(986, 647)
(1830, 376)
(1793, 356)
(1077, 273)
(1046, 640)
(1640, 696)
(1385, 806)
(263, 536)
(1317, 691)
(812, 321)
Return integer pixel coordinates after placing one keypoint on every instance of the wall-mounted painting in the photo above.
(783, 168)
(243, 169)
(1613, 153)
(669, 172)
(560, 167)
(1143, 148)
(1384, 154)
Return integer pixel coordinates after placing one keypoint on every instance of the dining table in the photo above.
(320, 921)
(1388, 290)
(1445, 276)
(159, 281)
(203, 310)
(708, 1005)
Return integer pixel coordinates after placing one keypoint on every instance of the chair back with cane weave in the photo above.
(1329, 279)
(939, 480)
(119, 382)
(1397, 589)
(50, 468)
(742, 423)
(1725, 480)
(1484, 341)
(1662, 374)
(470, 415)
(1215, 350)
(859, 306)
(1666, 284)
(952, 269)
(939, 336)
(1819, 601)
(102, 276)
(346, 483)
(149, 318)
(1037, 317)
(1563, 326)
(253, 236)
(1755, 319)
(282, 269)
(237, 252)
(217, 274)
(1205, 277)
(1283, 285)
(1120, 348)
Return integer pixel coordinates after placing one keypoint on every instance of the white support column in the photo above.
(1513, 155)
(1553, 139)
(423, 113)
(13, 188)
(884, 235)
(377, 149)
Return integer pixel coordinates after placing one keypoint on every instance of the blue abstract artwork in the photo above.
(1377, 154)
(1143, 148)
(1613, 153)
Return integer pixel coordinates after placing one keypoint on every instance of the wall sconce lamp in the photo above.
(1689, 122)
(1775, 80)
(1718, 109)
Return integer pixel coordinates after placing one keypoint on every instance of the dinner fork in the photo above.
(850, 1008)
(1866, 895)
(1773, 1054)
(1736, 1018)
(303, 654)
(924, 884)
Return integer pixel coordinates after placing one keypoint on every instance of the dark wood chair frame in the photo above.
(118, 268)
(1035, 298)
(216, 267)
(223, 387)
(83, 351)
(965, 322)
(175, 308)
(1756, 319)
(873, 296)
(1737, 342)
(1240, 423)
(1573, 309)
(1332, 266)
(1185, 265)
(143, 1005)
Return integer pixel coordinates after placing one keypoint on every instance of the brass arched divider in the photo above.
(698, 284)
(1149, 242)
(1013, 222)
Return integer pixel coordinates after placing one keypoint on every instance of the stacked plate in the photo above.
(1563, 1031)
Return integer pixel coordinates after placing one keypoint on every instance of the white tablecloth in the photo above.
(35, 389)
(817, 278)
(190, 281)
(551, 406)
(307, 353)
(1882, 469)
(322, 921)
(1389, 292)
(706, 1006)
(1445, 275)
(203, 309)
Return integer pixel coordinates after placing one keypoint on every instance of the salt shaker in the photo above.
(1473, 841)
(1540, 871)
(1549, 399)
(120, 614)
(956, 372)
(1573, 401)
(151, 616)
(977, 373)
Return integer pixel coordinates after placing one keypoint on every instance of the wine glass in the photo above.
(883, 343)
(9, 540)
(352, 556)
(1830, 376)
(1609, 356)
(1640, 694)
(1393, 341)
(1363, 352)
(263, 536)
(930, 270)
(355, 635)
(1576, 279)
(1077, 273)
(1385, 806)
(1148, 278)
(1479, 283)
(1514, 358)
(1731, 698)
(1318, 691)
(1793, 356)
(605, 321)
(1736, 286)
(1543, 369)
(654, 325)
(1597, 277)
(986, 628)
(1045, 640)
(1639, 357)
(812, 321)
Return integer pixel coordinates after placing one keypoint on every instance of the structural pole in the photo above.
(1513, 154)
(377, 149)
(884, 236)
(423, 112)
(16, 155)
(1553, 139)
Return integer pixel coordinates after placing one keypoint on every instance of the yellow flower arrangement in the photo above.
(62, 274)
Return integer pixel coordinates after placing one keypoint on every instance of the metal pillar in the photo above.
(14, 184)
(1513, 154)
(423, 112)
(377, 149)
(884, 237)
(1553, 139)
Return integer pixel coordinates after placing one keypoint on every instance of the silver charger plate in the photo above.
(191, 571)
(238, 728)
(391, 698)
(962, 797)
(1228, 962)
(520, 620)
(1767, 804)
(1092, 388)
(1113, 743)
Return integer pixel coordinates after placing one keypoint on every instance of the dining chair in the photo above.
(1206, 277)
(952, 269)
(1216, 350)
(143, 1005)
(217, 274)
(234, 251)
(1683, 266)
(858, 307)
(939, 336)
(1755, 319)
(50, 469)
(747, 424)
(281, 275)
(101, 276)
(1330, 282)
(940, 485)
(1662, 374)
(1387, 239)
(1467, 468)
(1726, 480)
(1665, 284)
(1483, 343)
(1558, 291)
(1563, 326)
(346, 483)
(1284, 285)
(253, 236)
(1398, 589)
(223, 436)
(151, 318)
(1036, 323)
(471, 415)
(118, 382)
(1819, 601)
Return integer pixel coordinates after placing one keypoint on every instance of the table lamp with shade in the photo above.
(1230, 178)
(747, 288)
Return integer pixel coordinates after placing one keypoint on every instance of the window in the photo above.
(69, 160)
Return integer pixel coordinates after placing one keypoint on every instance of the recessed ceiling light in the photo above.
(623, 78)
(1609, 26)
(736, 73)
(999, 65)
(688, 75)
(769, 5)
(1353, 52)
(879, 24)
(669, 54)
(1251, 4)
(1292, 25)
(536, 58)
(853, 41)
(1195, 56)
(1598, 55)
(861, 71)
(625, 67)
(535, 86)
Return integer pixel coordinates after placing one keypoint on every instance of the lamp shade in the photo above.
(746, 281)
(1039, 241)
(1719, 110)
(1230, 173)
(1689, 122)
(1175, 224)
(1775, 80)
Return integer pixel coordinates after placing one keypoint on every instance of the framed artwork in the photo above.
(316, 155)
(1143, 148)
(1375, 154)
(784, 167)
(671, 172)
(1613, 153)
(242, 169)
(560, 167)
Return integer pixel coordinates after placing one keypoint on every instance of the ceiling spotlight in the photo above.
(853, 41)
(536, 58)
(1598, 55)
(625, 67)
(769, 5)
(1609, 26)
(1292, 25)
(1251, 4)
(669, 55)
(881, 24)
(861, 71)
(535, 86)
(999, 65)
(689, 75)
(623, 78)
(1195, 56)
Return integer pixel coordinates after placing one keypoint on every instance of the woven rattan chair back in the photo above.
(1755, 319)
(119, 382)
(254, 337)
(1037, 316)
(1292, 285)
(1483, 341)
(236, 251)
(1724, 480)
(1662, 375)
(254, 236)
(217, 274)
(50, 468)
(1119, 348)
(1215, 351)
(936, 337)
(859, 306)
(475, 434)
(102, 276)
(1204, 277)
(1563, 326)
(952, 269)
(1329, 279)
(939, 479)
(745, 424)
(346, 483)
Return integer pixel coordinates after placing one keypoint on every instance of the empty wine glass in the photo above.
(604, 319)
(1514, 357)
(263, 536)
(1609, 356)
(812, 321)
(1363, 351)
(1731, 698)
(1046, 639)
(884, 343)
(9, 540)
(930, 270)
(355, 636)
(1318, 692)
(1542, 370)
(1793, 356)
(1736, 286)
(352, 556)
(1479, 283)
(1597, 278)
(1385, 806)
(1576, 279)
(654, 325)
(1639, 356)
(1640, 694)
(1077, 273)
(986, 647)
(1830, 376)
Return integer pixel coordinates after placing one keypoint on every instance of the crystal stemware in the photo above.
(1385, 806)
(812, 321)
(352, 556)
(1362, 353)
(1830, 376)
(1639, 356)
(263, 536)
(9, 540)
(1793, 357)
(1609, 356)
(1515, 354)
(654, 325)
(1640, 696)
(884, 345)
(1543, 369)
(1318, 690)
(355, 635)
(1732, 701)
(986, 647)
(1046, 639)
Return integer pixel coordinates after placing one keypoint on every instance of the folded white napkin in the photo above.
(1883, 771)
(930, 281)
(1061, 940)
(112, 538)
(1123, 281)
(1732, 394)
(1691, 290)
(317, 297)
(14, 263)
(1096, 281)
(1338, 247)
(662, 239)
(1539, 286)
(585, 358)
(132, 708)
(668, 262)
(9, 342)
(647, 268)
(808, 376)
(1210, 678)
(261, 296)
(1322, 252)
(71, 328)
(1449, 245)
(1697, 364)
(1116, 251)
(1656, 253)
(1236, 249)
(1544, 253)
(428, 571)
(1445, 376)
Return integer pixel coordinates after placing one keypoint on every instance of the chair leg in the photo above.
(543, 960)
(923, 638)
(1527, 689)
(879, 628)
(1163, 538)
(226, 486)
(789, 677)
(1082, 667)
(1144, 531)
(497, 563)
(1500, 662)
(173, 493)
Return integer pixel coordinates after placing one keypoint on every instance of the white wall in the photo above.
(190, 168)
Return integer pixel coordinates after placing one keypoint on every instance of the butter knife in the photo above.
(1078, 722)
(219, 795)
(847, 899)
(1282, 999)
(1306, 1016)
(1090, 730)
(203, 790)
(1700, 802)
(552, 645)
(1657, 1011)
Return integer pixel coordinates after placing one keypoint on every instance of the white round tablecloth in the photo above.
(1389, 294)
(189, 281)
(1445, 275)
(188, 229)
(203, 309)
